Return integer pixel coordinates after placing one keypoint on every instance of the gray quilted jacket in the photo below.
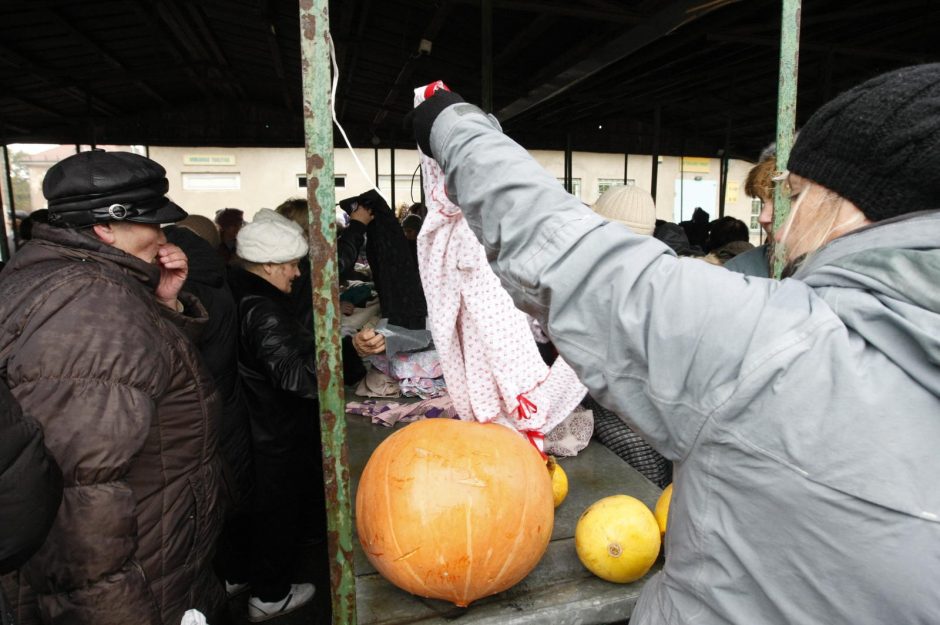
(803, 415)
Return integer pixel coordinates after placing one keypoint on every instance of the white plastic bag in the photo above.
(193, 617)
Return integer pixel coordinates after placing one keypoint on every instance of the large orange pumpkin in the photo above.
(454, 510)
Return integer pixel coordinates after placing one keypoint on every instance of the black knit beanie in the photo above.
(878, 144)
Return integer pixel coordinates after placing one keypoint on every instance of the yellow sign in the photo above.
(208, 159)
(696, 164)
(731, 193)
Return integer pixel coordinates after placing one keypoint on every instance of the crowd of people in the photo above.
(162, 402)
(158, 385)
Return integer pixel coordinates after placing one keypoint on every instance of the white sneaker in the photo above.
(233, 590)
(297, 596)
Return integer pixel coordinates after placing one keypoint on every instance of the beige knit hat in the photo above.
(271, 238)
(203, 227)
(629, 205)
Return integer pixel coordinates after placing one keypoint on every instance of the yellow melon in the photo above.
(617, 538)
(661, 511)
(559, 481)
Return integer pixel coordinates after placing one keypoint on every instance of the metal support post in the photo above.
(722, 183)
(391, 156)
(318, 131)
(786, 113)
(569, 183)
(657, 121)
(12, 208)
(723, 171)
(4, 244)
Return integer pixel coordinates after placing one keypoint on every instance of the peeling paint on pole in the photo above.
(786, 113)
(318, 130)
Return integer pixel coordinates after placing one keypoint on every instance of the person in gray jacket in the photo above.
(760, 185)
(803, 415)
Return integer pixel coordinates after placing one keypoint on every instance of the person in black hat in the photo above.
(802, 414)
(95, 345)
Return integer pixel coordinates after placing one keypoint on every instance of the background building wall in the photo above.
(205, 179)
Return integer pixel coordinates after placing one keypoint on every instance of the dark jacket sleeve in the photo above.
(30, 485)
(348, 245)
(283, 347)
(194, 318)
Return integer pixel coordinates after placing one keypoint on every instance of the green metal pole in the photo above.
(786, 114)
(318, 130)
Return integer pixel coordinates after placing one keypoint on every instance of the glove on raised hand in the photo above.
(420, 120)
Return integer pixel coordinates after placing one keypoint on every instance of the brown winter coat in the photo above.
(130, 416)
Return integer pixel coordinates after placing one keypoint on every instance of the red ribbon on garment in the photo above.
(535, 438)
(526, 408)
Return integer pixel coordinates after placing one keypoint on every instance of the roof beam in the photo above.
(160, 34)
(277, 58)
(351, 54)
(430, 33)
(675, 15)
(56, 79)
(871, 53)
(69, 25)
(6, 126)
(188, 31)
(12, 94)
(531, 33)
(566, 8)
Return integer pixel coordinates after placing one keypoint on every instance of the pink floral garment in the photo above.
(491, 364)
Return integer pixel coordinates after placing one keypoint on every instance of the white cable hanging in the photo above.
(338, 125)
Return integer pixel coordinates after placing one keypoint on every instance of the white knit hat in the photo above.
(271, 238)
(629, 205)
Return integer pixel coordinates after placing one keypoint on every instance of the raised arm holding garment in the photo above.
(802, 414)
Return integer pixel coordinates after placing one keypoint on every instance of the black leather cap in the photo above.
(98, 187)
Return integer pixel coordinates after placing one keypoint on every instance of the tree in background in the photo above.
(20, 180)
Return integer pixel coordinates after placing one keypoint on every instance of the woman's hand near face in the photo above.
(174, 267)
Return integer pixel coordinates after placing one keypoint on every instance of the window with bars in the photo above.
(756, 206)
(605, 183)
(575, 186)
(211, 181)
